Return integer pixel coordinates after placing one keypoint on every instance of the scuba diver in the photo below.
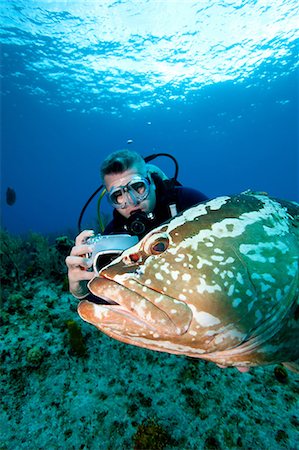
(142, 197)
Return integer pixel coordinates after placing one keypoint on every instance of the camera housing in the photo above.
(140, 223)
(107, 247)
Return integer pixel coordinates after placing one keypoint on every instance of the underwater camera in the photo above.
(140, 223)
(108, 247)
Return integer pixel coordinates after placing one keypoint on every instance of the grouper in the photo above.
(219, 282)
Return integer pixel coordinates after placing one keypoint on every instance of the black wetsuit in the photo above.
(166, 194)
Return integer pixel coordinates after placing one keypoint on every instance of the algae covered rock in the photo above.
(76, 339)
(35, 356)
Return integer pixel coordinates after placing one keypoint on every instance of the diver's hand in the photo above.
(77, 265)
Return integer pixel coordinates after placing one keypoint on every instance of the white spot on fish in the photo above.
(258, 315)
(272, 231)
(217, 258)
(180, 257)
(204, 287)
(139, 307)
(240, 278)
(278, 294)
(158, 276)
(100, 311)
(164, 267)
(217, 203)
(250, 305)
(182, 297)
(292, 268)
(186, 277)
(236, 302)
(231, 290)
(265, 287)
(202, 262)
(203, 318)
(259, 252)
(268, 277)
(196, 211)
(229, 260)
(210, 333)
(175, 274)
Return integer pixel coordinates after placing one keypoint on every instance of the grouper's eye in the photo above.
(156, 243)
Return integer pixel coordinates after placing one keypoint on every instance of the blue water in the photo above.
(216, 86)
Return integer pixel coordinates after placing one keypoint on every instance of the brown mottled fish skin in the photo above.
(219, 282)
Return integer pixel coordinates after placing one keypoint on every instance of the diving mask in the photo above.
(132, 193)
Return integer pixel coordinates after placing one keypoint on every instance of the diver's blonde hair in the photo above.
(121, 160)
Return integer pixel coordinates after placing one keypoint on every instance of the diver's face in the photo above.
(115, 180)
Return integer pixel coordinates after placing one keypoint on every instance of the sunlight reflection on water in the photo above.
(153, 52)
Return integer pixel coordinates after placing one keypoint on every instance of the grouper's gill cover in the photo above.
(218, 282)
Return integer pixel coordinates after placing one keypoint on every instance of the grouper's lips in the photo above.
(129, 309)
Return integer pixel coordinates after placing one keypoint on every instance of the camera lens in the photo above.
(137, 227)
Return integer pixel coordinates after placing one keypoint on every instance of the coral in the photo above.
(211, 443)
(281, 436)
(281, 374)
(197, 400)
(35, 356)
(15, 300)
(63, 244)
(13, 259)
(139, 400)
(31, 256)
(76, 339)
(65, 284)
(151, 435)
(45, 257)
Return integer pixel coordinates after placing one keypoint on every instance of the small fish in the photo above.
(219, 281)
(130, 141)
(10, 196)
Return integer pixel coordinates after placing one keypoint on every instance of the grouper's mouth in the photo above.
(133, 310)
(102, 301)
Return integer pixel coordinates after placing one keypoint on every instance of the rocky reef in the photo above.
(66, 385)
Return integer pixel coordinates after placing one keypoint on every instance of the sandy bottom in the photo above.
(52, 398)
